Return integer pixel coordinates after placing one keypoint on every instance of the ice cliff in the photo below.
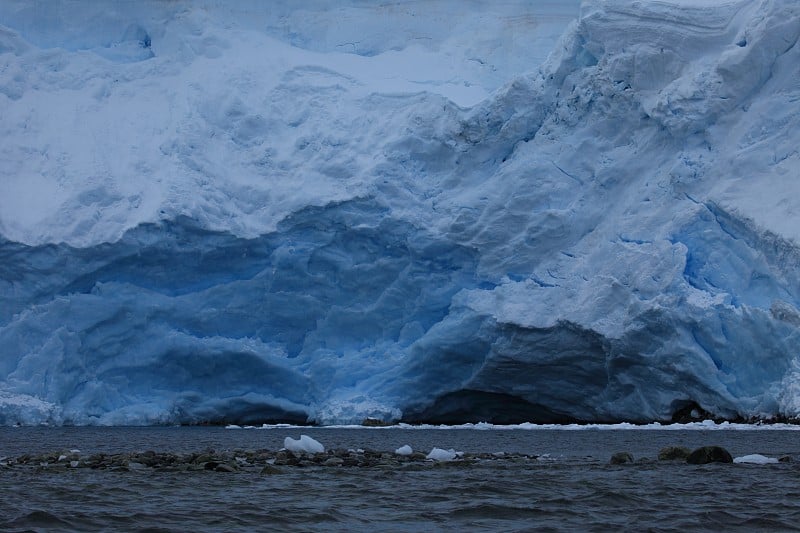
(328, 211)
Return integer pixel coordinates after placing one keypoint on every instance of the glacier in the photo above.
(328, 211)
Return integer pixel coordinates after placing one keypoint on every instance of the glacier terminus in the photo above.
(439, 211)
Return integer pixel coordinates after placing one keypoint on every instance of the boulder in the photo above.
(374, 422)
(621, 458)
(709, 454)
(270, 470)
(674, 453)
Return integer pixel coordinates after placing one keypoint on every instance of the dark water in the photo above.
(573, 489)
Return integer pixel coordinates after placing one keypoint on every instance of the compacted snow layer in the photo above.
(243, 215)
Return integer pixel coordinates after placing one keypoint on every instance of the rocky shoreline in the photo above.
(263, 461)
(271, 462)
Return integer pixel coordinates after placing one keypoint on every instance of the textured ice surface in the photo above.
(234, 214)
(404, 450)
(756, 459)
(304, 444)
(438, 454)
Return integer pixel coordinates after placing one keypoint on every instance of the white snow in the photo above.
(755, 458)
(304, 444)
(706, 425)
(243, 114)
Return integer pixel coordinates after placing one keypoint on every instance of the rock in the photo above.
(270, 470)
(374, 422)
(785, 459)
(333, 461)
(674, 453)
(691, 412)
(621, 458)
(224, 467)
(709, 454)
(121, 460)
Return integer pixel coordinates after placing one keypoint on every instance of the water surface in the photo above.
(570, 486)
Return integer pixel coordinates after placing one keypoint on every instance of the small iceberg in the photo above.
(755, 459)
(304, 445)
(404, 450)
(438, 454)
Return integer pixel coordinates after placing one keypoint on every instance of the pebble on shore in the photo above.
(271, 462)
(264, 461)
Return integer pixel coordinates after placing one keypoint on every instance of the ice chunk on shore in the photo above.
(438, 454)
(304, 444)
(755, 459)
(404, 450)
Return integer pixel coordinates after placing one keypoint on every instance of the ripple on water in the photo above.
(39, 519)
(575, 490)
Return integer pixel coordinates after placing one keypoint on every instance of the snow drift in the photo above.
(257, 215)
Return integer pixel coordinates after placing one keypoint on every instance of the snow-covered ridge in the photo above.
(216, 219)
(233, 114)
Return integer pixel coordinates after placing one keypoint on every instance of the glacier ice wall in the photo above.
(210, 215)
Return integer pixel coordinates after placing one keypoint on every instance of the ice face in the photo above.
(210, 215)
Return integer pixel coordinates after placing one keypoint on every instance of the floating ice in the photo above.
(304, 444)
(438, 454)
(404, 450)
(755, 459)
